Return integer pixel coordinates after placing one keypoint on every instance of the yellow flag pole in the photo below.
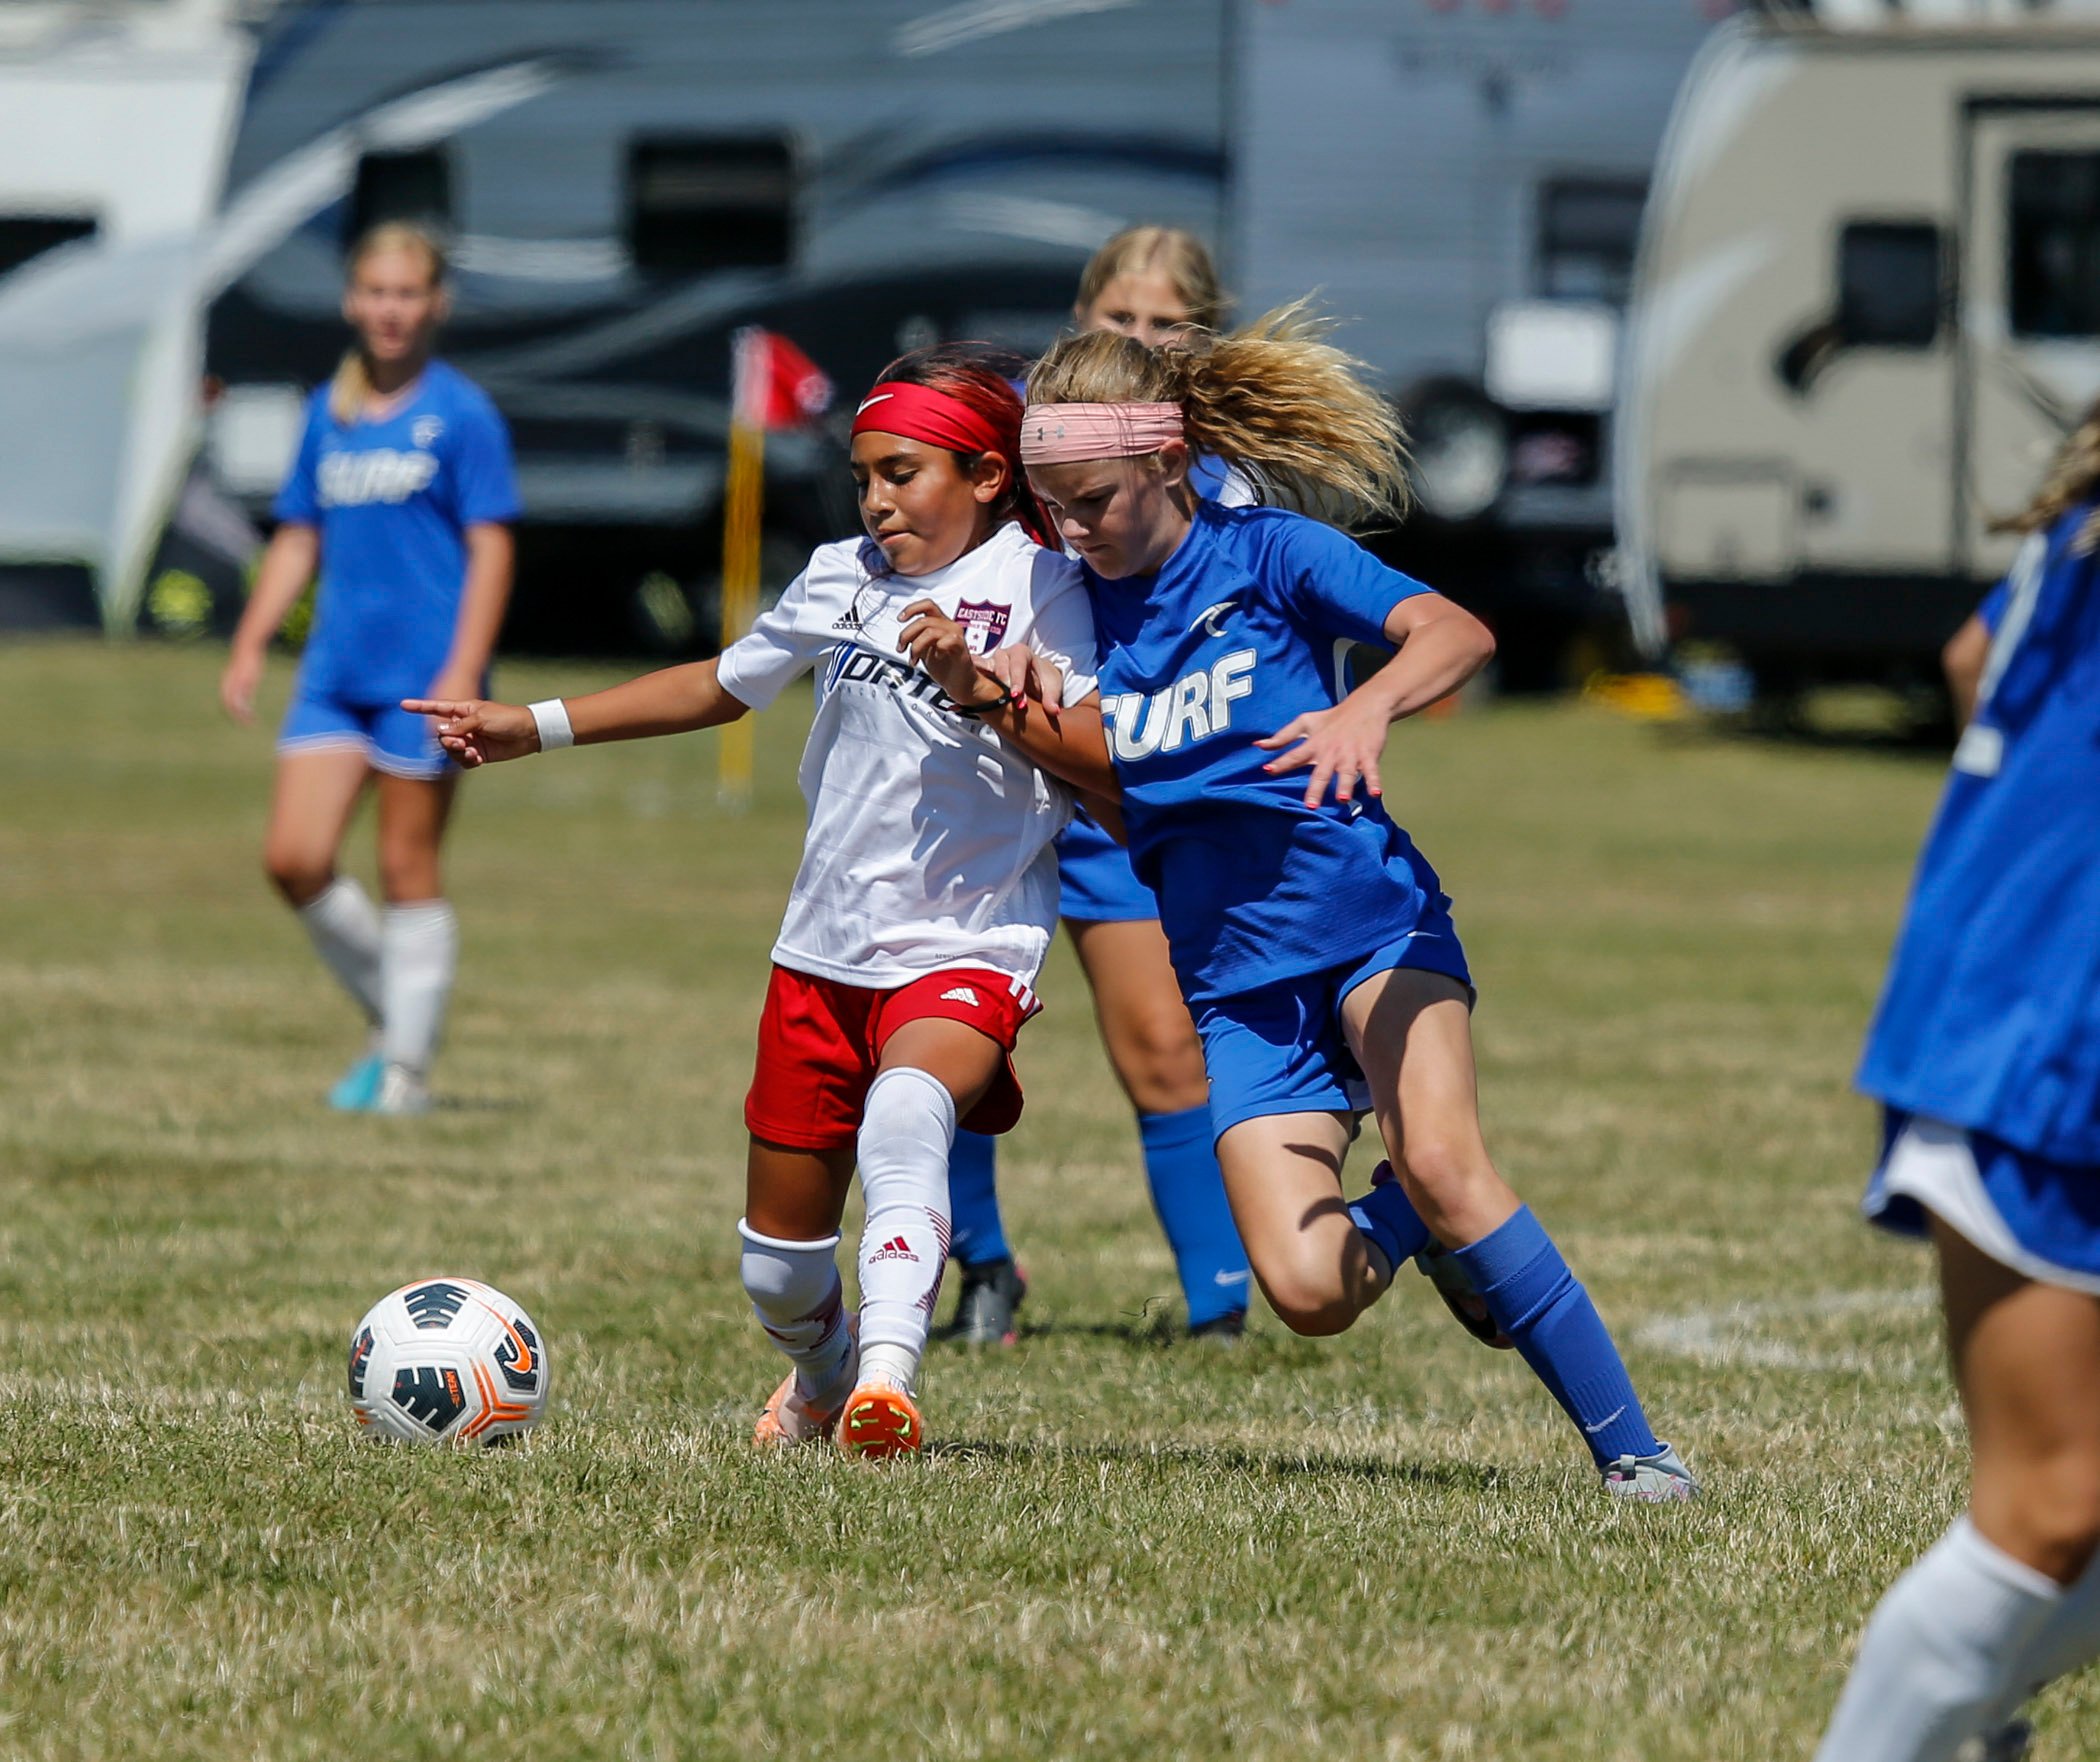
(744, 502)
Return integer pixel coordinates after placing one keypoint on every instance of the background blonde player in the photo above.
(400, 498)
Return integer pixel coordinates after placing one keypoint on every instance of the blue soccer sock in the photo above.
(973, 1201)
(1189, 1195)
(1537, 1302)
(1390, 1222)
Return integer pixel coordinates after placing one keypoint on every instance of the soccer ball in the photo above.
(447, 1361)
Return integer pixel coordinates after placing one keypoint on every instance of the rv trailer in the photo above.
(626, 183)
(115, 124)
(1462, 183)
(1867, 309)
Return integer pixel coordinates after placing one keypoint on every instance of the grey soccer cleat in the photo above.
(984, 1313)
(1660, 1479)
(400, 1092)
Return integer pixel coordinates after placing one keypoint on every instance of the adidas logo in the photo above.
(894, 1249)
(849, 624)
(963, 994)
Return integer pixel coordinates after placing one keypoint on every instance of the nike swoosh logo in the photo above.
(1230, 1278)
(878, 398)
(524, 1364)
(1605, 1421)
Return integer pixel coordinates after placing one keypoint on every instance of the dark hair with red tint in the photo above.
(982, 377)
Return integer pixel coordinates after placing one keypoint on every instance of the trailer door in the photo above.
(2030, 296)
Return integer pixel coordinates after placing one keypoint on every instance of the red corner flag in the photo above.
(776, 384)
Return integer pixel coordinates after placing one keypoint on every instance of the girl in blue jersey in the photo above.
(1312, 940)
(400, 498)
(1157, 284)
(1985, 1054)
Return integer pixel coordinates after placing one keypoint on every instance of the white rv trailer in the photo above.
(1867, 308)
(115, 125)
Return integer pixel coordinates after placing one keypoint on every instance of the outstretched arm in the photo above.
(674, 700)
(1441, 646)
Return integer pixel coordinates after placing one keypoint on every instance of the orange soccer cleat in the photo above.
(790, 1419)
(880, 1421)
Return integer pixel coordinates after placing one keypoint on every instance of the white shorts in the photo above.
(1930, 1166)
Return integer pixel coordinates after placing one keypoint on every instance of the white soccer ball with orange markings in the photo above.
(447, 1361)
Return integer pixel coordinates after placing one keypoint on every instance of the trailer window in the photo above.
(1587, 234)
(2053, 244)
(710, 202)
(23, 236)
(414, 187)
(1889, 284)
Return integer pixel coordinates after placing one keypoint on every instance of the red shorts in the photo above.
(819, 1042)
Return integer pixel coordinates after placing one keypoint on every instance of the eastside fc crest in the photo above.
(984, 624)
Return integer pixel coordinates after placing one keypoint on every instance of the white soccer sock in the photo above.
(797, 1297)
(345, 933)
(1939, 1652)
(2069, 1640)
(419, 954)
(906, 1132)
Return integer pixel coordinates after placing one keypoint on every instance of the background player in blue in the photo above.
(400, 497)
(1157, 284)
(1312, 940)
(1985, 1053)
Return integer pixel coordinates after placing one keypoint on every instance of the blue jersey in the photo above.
(393, 500)
(1247, 625)
(1990, 1019)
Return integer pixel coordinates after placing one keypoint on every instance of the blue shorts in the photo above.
(1099, 885)
(2040, 1218)
(392, 740)
(1281, 1049)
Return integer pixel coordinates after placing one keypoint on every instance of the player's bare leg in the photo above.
(2000, 1604)
(1283, 1175)
(1412, 1033)
(1158, 1058)
(314, 796)
(793, 1201)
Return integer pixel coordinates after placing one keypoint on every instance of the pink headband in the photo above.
(1058, 434)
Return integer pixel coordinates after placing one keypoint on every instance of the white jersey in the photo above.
(929, 841)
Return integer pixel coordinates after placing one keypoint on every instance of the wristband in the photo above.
(551, 718)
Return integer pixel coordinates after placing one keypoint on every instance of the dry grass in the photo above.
(1383, 1546)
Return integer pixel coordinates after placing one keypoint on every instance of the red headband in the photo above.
(919, 413)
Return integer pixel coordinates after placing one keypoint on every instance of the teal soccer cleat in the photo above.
(358, 1087)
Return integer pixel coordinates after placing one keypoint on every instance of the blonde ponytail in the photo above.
(1293, 412)
(2074, 475)
(352, 383)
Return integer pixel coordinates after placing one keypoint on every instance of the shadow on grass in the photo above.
(1280, 1463)
(484, 1104)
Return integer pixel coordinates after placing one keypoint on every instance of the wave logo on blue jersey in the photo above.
(355, 480)
(1195, 707)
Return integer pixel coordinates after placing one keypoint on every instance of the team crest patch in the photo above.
(983, 623)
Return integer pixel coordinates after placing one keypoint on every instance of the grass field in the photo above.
(1383, 1546)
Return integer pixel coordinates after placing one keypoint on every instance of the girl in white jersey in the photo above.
(928, 887)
